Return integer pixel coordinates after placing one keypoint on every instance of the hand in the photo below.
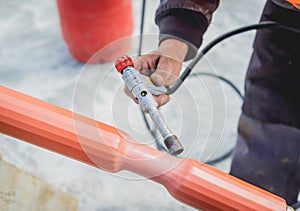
(162, 65)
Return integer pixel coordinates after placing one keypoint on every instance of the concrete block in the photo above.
(21, 191)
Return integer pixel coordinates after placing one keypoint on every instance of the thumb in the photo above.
(167, 72)
(146, 63)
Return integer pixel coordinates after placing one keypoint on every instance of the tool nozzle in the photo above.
(174, 145)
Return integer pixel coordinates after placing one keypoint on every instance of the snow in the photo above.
(34, 60)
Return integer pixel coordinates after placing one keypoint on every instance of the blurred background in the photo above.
(34, 59)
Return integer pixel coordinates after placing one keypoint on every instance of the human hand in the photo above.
(162, 65)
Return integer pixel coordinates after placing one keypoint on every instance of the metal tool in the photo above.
(137, 87)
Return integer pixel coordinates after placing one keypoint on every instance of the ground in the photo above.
(34, 60)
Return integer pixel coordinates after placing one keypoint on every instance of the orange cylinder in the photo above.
(89, 26)
(110, 149)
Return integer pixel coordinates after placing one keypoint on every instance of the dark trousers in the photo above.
(267, 152)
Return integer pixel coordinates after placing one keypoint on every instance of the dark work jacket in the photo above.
(272, 83)
(189, 19)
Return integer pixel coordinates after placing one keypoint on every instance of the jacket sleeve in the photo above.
(186, 20)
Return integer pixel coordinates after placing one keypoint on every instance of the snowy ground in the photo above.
(34, 60)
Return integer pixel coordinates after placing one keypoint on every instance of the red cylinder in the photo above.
(90, 25)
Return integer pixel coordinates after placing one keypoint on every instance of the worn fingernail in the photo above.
(135, 100)
(157, 79)
(164, 100)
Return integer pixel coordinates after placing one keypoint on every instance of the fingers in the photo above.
(167, 71)
(129, 94)
(162, 70)
(146, 64)
(162, 99)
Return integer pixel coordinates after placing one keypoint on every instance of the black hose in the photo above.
(238, 92)
(153, 132)
(296, 205)
(220, 158)
(231, 84)
(208, 47)
(199, 56)
(142, 27)
(212, 161)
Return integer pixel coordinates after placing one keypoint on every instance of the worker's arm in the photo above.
(182, 24)
(186, 20)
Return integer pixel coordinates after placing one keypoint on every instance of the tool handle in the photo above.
(139, 90)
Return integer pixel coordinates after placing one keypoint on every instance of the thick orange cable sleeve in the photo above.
(107, 148)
